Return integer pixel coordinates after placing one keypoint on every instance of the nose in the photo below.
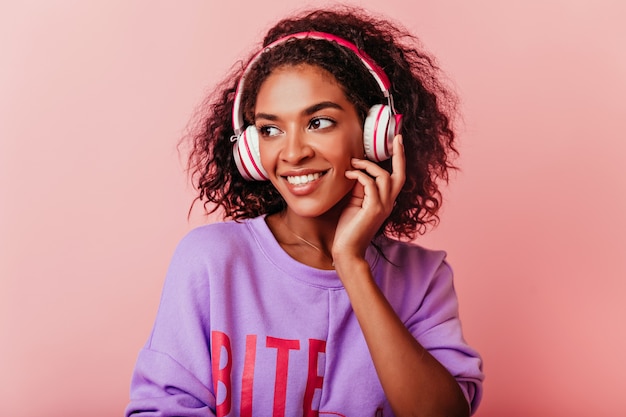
(296, 147)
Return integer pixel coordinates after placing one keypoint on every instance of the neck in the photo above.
(319, 231)
(308, 240)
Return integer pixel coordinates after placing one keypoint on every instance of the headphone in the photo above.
(381, 124)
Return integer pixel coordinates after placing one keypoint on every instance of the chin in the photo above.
(317, 210)
(308, 212)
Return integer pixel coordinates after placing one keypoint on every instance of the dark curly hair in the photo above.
(426, 103)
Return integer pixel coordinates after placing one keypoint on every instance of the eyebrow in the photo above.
(307, 112)
(321, 106)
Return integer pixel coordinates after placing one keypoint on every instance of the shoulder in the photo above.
(207, 253)
(214, 236)
(213, 241)
(406, 269)
(207, 233)
(412, 256)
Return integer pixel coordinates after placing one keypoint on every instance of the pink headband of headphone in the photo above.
(377, 72)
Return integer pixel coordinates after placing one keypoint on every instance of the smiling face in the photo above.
(308, 133)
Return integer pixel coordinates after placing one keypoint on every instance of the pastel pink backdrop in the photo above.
(94, 96)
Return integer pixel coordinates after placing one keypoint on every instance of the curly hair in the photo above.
(426, 103)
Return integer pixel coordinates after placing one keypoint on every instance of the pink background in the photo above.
(93, 198)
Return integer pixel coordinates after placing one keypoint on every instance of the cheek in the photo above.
(357, 148)
(266, 154)
(343, 154)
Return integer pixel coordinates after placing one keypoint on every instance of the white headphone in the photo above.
(381, 124)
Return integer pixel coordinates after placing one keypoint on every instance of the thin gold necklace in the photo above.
(332, 262)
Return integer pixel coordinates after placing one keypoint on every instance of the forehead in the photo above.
(297, 86)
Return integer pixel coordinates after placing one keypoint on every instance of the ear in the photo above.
(379, 130)
(247, 155)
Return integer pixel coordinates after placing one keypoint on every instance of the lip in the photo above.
(308, 185)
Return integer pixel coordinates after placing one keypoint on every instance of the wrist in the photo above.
(351, 268)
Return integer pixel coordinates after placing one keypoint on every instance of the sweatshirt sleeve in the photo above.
(436, 325)
(172, 376)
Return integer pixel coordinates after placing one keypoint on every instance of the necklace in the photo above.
(332, 262)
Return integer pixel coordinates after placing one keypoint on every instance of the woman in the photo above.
(324, 153)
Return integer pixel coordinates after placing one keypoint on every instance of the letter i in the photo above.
(248, 376)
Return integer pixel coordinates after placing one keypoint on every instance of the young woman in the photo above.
(324, 152)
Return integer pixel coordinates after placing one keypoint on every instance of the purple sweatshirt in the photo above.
(243, 329)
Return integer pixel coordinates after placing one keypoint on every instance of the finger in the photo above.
(372, 168)
(364, 179)
(358, 191)
(357, 196)
(379, 174)
(398, 166)
(369, 188)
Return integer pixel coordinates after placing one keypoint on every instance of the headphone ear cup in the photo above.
(247, 155)
(378, 132)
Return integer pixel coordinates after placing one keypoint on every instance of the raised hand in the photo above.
(371, 202)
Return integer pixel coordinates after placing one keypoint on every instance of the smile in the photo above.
(303, 179)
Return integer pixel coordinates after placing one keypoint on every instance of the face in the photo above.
(308, 133)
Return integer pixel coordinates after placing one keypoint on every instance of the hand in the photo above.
(371, 202)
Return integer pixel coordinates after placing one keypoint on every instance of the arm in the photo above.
(172, 374)
(161, 387)
(414, 382)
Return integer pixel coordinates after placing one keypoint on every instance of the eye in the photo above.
(321, 123)
(269, 130)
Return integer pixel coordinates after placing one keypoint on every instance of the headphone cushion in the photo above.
(378, 132)
(248, 157)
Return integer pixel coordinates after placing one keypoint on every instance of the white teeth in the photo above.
(303, 179)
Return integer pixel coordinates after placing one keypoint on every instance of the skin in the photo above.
(307, 126)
